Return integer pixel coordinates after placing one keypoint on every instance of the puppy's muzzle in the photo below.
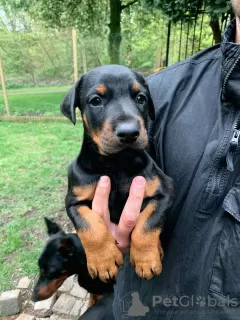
(127, 132)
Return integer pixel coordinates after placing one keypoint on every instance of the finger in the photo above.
(113, 228)
(100, 200)
(131, 211)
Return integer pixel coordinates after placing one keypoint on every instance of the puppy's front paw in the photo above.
(146, 253)
(147, 264)
(104, 261)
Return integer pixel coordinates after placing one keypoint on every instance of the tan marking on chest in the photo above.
(86, 192)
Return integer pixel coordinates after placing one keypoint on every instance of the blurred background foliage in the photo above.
(36, 43)
(36, 50)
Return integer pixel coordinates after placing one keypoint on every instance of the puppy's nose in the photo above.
(127, 131)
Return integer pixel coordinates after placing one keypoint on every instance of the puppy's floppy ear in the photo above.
(71, 101)
(52, 227)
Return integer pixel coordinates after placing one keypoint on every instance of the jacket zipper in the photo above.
(223, 172)
(216, 185)
(234, 143)
(236, 135)
(229, 73)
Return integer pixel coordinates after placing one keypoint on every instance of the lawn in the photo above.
(34, 101)
(33, 163)
(38, 89)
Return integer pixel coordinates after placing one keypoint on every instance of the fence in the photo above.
(191, 36)
(39, 67)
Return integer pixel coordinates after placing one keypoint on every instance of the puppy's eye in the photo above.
(141, 99)
(96, 101)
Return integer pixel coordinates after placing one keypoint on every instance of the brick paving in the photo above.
(68, 303)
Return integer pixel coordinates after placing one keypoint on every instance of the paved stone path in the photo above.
(68, 303)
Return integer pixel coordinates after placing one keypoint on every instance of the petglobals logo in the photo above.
(193, 301)
(132, 306)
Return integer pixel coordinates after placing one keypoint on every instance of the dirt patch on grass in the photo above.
(30, 213)
(5, 220)
(10, 257)
(62, 219)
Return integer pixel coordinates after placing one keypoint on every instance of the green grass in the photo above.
(47, 104)
(37, 89)
(33, 162)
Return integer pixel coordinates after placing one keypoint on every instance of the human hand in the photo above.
(131, 211)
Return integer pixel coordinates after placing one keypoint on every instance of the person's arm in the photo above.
(122, 231)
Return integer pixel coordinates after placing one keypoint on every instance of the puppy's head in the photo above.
(115, 104)
(54, 262)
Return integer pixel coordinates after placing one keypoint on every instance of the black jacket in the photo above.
(196, 136)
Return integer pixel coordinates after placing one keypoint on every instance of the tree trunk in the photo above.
(214, 24)
(34, 78)
(115, 31)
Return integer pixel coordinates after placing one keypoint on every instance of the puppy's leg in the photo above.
(103, 256)
(146, 251)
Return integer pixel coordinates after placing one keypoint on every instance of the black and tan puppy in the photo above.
(63, 256)
(115, 104)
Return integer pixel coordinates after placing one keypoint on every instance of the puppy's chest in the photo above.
(118, 196)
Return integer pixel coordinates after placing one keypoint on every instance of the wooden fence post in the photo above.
(4, 88)
(75, 62)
